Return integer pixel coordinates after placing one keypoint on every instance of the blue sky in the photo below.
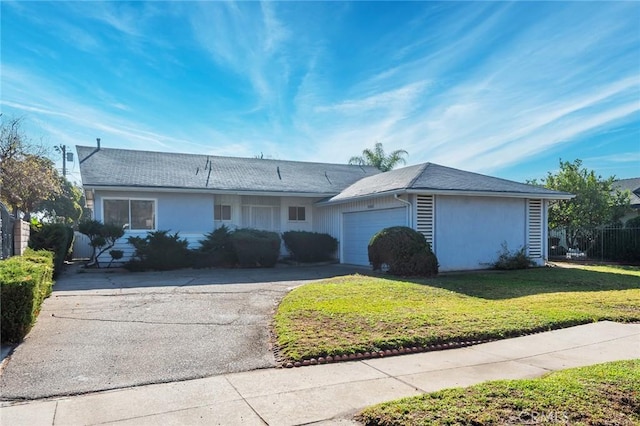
(499, 88)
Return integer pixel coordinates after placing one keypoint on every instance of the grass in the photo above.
(604, 394)
(359, 313)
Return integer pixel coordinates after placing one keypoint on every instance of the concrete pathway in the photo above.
(331, 394)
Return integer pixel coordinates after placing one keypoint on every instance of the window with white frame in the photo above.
(221, 212)
(130, 213)
(297, 214)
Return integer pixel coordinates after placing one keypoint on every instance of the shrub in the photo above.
(404, 250)
(25, 281)
(255, 248)
(215, 250)
(55, 237)
(633, 223)
(310, 246)
(102, 237)
(159, 250)
(509, 260)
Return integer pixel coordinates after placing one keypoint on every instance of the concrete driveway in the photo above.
(103, 330)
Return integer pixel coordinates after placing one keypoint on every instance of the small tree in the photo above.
(379, 159)
(596, 203)
(67, 204)
(102, 237)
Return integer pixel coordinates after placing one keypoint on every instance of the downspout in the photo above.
(408, 203)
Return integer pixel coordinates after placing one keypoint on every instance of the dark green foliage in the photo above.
(25, 281)
(509, 260)
(159, 250)
(633, 223)
(55, 237)
(255, 248)
(404, 250)
(215, 250)
(115, 255)
(102, 237)
(310, 246)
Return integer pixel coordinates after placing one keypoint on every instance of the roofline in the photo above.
(532, 195)
(206, 191)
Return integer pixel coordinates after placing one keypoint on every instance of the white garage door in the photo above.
(359, 227)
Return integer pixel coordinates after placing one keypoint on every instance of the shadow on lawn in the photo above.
(496, 285)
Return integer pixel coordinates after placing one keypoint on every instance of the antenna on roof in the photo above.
(207, 163)
(278, 170)
(327, 176)
(98, 141)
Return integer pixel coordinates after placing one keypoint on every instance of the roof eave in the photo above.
(559, 196)
(206, 191)
(505, 194)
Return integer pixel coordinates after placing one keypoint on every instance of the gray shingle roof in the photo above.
(431, 177)
(109, 167)
(632, 185)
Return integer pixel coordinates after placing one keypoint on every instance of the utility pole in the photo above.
(63, 150)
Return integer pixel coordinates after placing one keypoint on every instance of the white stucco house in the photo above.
(465, 216)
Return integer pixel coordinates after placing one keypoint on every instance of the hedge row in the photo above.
(310, 246)
(25, 281)
(54, 237)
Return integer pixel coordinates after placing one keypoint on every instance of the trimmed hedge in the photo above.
(159, 250)
(25, 281)
(255, 248)
(55, 237)
(404, 250)
(215, 250)
(310, 246)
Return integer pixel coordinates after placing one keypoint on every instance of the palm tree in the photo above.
(379, 159)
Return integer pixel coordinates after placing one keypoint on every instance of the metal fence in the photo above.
(601, 244)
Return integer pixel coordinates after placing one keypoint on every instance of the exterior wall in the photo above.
(469, 231)
(192, 215)
(189, 214)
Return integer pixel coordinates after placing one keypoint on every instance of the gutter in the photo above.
(409, 211)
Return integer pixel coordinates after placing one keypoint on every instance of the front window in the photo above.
(222, 212)
(297, 214)
(130, 214)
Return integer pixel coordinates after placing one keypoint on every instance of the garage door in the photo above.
(359, 227)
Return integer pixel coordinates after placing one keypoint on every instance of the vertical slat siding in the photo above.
(534, 228)
(425, 216)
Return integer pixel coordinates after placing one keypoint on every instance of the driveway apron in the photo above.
(102, 330)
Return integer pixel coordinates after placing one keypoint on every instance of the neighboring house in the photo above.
(465, 216)
(633, 186)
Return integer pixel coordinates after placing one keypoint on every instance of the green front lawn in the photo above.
(359, 313)
(604, 394)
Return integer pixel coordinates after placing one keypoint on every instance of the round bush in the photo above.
(404, 250)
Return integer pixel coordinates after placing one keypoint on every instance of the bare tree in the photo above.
(27, 176)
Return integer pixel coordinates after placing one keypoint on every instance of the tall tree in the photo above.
(596, 202)
(27, 177)
(379, 159)
(65, 206)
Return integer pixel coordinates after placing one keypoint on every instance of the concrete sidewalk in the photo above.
(332, 393)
